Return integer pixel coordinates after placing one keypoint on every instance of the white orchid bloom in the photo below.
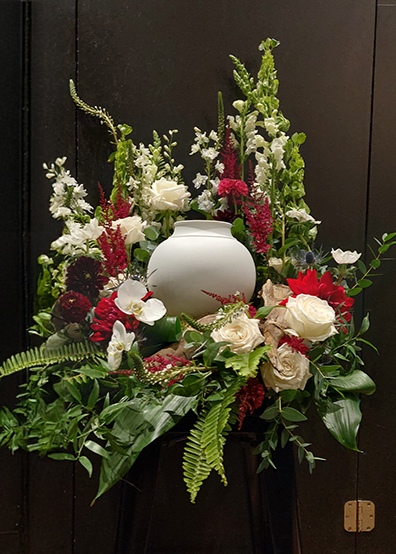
(345, 257)
(120, 341)
(130, 301)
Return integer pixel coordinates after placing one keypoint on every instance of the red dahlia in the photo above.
(324, 289)
(74, 306)
(85, 276)
(106, 314)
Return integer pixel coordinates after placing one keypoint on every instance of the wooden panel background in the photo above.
(158, 65)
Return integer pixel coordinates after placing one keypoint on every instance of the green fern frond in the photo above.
(95, 111)
(36, 357)
(216, 428)
(195, 466)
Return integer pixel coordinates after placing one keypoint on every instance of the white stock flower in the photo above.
(295, 370)
(205, 202)
(209, 154)
(200, 180)
(243, 333)
(310, 317)
(130, 301)
(345, 257)
(168, 195)
(78, 236)
(301, 215)
(131, 228)
(120, 341)
(219, 167)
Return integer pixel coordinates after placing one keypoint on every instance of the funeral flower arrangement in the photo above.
(115, 370)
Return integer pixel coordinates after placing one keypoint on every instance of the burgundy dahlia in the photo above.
(85, 276)
(74, 306)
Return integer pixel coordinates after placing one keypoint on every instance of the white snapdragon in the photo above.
(213, 136)
(214, 183)
(120, 342)
(271, 126)
(130, 301)
(251, 132)
(277, 149)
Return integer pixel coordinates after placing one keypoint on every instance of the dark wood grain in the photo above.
(377, 477)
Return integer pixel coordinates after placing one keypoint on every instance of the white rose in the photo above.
(346, 257)
(243, 333)
(131, 228)
(310, 317)
(295, 370)
(168, 195)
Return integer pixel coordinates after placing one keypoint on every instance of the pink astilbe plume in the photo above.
(260, 223)
(159, 363)
(229, 157)
(119, 210)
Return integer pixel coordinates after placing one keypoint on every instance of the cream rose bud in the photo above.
(243, 333)
(310, 317)
(346, 257)
(131, 228)
(168, 195)
(295, 370)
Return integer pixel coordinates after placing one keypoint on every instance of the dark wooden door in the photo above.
(158, 65)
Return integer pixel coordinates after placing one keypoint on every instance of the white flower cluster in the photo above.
(79, 237)
(67, 199)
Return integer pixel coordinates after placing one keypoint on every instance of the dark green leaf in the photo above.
(375, 263)
(357, 381)
(362, 267)
(97, 449)
(355, 291)
(93, 397)
(73, 390)
(263, 311)
(342, 418)
(365, 325)
(271, 412)
(284, 438)
(364, 283)
(291, 414)
(141, 254)
(62, 456)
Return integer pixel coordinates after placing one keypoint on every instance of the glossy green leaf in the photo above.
(263, 312)
(357, 381)
(342, 418)
(87, 464)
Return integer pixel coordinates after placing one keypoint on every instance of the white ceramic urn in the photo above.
(200, 255)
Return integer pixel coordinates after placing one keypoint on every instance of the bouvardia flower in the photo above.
(132, 300)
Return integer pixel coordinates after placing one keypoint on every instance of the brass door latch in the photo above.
(359, 516)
